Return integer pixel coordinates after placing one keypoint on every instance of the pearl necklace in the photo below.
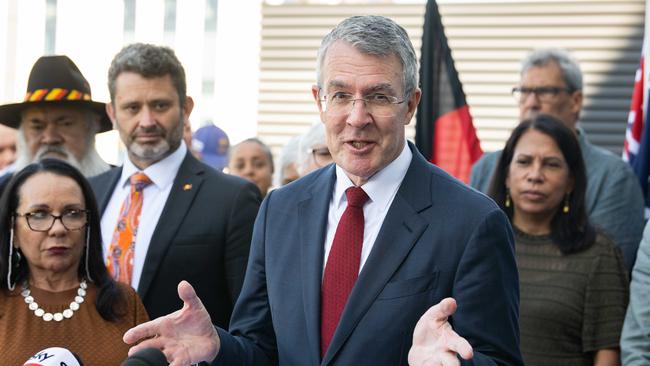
(66, 314)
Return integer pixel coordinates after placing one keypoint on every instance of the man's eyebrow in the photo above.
(383, 87)
(161, 100)
(337, 84)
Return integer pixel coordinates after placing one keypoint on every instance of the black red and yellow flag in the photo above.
(444, 133)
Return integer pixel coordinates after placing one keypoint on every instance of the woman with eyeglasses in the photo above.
(572, 279)
(55, 289)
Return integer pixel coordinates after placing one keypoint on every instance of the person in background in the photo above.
(312, 150)
(572, 278)
(7, 149)
(635, 339)
(355, 263)
(165, 215)
(252, 159)
(551, 83)
(287, 170)
(212, 145)
(57, 118)
(55, 289)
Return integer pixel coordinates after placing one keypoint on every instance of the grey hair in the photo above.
(149, 61)
(377, 36)
(288, 155)
(314, 136)
(262, 145)
(569, 67)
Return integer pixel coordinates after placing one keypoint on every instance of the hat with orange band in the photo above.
(55, 80)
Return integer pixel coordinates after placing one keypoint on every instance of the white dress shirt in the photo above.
(381, 189)
(155, 196)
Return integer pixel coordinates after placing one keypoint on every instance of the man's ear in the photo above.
(412, 104)
(315, 92)
(188, 106)
(576, 101)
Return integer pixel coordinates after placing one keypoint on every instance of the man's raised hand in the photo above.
(435, 342)
(186, 336)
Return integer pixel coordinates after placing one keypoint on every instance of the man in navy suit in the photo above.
(195, 223)
(423, 237)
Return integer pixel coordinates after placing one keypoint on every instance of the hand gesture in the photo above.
(185, 336)
(435, 342)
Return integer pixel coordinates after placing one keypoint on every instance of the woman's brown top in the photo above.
(96, 341)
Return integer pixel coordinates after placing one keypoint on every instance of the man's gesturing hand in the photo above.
(186, 336)
(435, 342)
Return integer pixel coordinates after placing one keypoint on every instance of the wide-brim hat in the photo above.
(55, 80)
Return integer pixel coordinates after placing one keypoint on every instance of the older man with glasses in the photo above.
(355, 263)
(551, 83)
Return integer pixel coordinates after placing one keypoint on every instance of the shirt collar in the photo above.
(161, 173)
(382, 186)
(580, 135)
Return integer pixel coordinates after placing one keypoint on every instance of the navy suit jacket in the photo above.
(440, 238)
(203, 236)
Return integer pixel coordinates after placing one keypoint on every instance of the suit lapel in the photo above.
(399, 232)
(185, 187)
(104, 186)
(312, 217)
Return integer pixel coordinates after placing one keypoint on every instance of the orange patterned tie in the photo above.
(122, 249)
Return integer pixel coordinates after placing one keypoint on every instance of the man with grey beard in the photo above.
(57, 118)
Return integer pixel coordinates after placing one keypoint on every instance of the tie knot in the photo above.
(139, 181)
(356, 196)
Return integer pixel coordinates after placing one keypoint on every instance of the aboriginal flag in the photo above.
(444, 132)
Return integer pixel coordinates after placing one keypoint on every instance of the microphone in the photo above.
(146, 357)
(54, 356)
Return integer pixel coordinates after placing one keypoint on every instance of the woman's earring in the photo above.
(10, 285)
(507, 197)
(566, 207)
(88, 253)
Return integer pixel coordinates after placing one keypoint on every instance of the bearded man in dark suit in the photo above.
(186, 221)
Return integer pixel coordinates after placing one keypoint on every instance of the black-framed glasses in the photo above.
(545, 94)
(378, 104)
(322, 155)
(74, 219)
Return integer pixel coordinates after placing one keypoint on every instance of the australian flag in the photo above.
(636, 150)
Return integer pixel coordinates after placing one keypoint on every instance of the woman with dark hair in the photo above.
(54, 288)
(572, 279)
(252, 160)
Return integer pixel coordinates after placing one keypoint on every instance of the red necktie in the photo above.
(122, 249)
(342, 266)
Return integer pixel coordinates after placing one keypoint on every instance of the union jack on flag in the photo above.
(636, 150)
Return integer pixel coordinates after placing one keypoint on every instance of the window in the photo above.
(50, 26)
(129, 16)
